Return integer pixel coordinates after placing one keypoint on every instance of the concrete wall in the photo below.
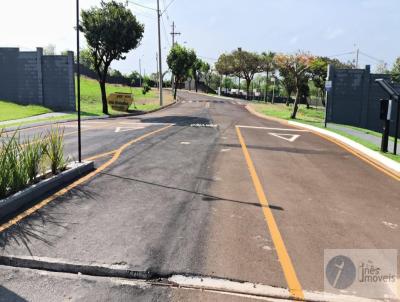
(32, 78)
(354, 98)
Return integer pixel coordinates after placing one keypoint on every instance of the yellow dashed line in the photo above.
(284, 258)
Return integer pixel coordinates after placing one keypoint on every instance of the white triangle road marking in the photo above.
(287, 137)
(123, 129)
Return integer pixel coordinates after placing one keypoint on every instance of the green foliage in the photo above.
(21, 162)
(146, 88)
(111, 31)
(180, 61)
(32, 155)
(396, 71)
(54, 150)
(12, 111)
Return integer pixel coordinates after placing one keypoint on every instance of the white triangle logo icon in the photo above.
(287, 137)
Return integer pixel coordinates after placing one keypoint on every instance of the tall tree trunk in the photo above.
(248, 83)
(176, 87)
(266, 88)
(104, 96)
(196, 83)
(296, 104)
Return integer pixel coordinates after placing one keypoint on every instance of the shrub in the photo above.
(146, 88)
(55, 150)
(32, 156)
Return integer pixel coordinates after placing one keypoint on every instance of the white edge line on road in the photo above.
(254, 289)
(373, 154)
(271, 128)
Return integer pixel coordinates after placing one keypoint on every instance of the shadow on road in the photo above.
(7, 295)
(178, 120)
(206, 197)
(33, 227)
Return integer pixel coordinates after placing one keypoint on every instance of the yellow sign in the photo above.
(120, 101)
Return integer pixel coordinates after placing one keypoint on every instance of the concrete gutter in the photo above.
(13, 203)
(373, 157)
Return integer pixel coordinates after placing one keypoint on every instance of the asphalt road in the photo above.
(188, 200)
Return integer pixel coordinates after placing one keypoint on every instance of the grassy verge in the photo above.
(315, 117)
(90, 104)
(12, 111)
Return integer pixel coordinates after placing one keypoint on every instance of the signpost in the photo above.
(120, 101)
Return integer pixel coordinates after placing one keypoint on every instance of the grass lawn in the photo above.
(12, 111)
(90, 106)
(315, 117)
(91, 97)
(312, 115)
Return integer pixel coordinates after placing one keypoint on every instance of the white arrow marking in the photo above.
(123, 129)
(287, 137)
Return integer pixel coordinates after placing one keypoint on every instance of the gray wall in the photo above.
(354, 98)
(32, 78)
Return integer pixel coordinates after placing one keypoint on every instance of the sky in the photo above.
(213, 27)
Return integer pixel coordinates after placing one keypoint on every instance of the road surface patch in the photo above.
(284, 258)
(272, 128)
(117, 153)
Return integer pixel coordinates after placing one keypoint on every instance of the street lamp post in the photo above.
(78, 74)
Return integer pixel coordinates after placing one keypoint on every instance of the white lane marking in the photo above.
(124, 129)
(393, 226)
(225, 150)
(287, 137)
(207, 105)
(185, 143)
(272, 128)
(190, 101)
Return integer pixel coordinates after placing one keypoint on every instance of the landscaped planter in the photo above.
(20, 199)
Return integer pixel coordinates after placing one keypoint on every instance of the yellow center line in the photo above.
(117, 154)
(290, 274)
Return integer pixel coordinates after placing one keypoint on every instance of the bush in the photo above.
(146, 88)
(21, 163)
(55, 150)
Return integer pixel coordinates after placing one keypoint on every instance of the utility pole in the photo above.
(159, 53)
(157, 69)
(174, 33)
(357, 56)
(140, 72)
(78, 76)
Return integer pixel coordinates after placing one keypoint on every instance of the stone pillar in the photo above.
(71, 81)
(366, 78)
(39, 55)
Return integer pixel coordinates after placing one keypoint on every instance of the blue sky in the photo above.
(214, 26)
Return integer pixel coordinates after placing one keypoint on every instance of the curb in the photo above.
(13, 203)
(374, 158)
(44, 123)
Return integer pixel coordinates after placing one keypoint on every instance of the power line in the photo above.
(141, 5)
(371, 57)
(342, 54)
(165, 9)
(165, 31)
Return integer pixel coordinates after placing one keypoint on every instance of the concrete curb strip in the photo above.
(378, 159)
(124, 272)
(14, 202)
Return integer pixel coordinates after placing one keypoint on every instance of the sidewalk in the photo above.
(34, 118)
(362, 135)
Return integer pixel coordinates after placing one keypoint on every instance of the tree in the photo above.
(396, 71)
(111, 31)
(180, 61)
(224, 66)
(267, 66)
(246, 65)
(49, 50)
(297, 67)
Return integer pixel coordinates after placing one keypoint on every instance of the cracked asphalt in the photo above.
(182, 201)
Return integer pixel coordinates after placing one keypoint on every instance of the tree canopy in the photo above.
(111, 31)
(180, 61)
